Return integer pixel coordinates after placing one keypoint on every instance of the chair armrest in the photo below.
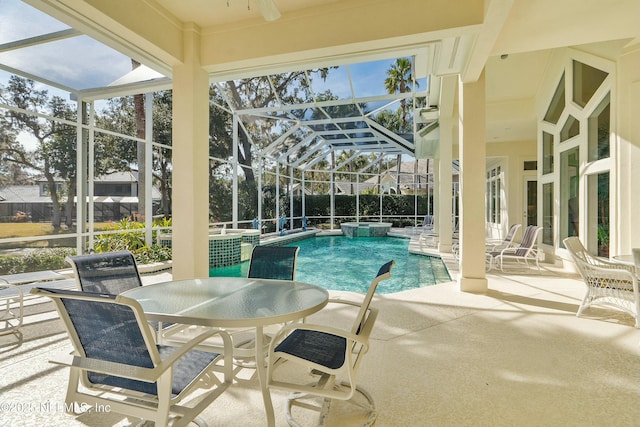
(110, 368)
(194, 342)
(135, 372)
(605, 263)
(615, 273)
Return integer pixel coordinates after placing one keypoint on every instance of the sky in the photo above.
(59, 60)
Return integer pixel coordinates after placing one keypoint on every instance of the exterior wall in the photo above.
(510, 156)
(623, 86)
(628, 140)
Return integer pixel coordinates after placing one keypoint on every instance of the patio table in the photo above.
(230, 302)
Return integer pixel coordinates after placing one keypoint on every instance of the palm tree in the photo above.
(400, 80)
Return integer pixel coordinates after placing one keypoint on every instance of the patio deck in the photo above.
(516, 356)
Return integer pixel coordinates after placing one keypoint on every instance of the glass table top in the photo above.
(229, 301)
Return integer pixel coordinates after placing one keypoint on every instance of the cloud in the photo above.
(78, 62)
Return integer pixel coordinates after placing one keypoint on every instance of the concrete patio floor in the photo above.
(515, 356)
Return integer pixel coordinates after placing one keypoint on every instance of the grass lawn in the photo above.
(28, 229)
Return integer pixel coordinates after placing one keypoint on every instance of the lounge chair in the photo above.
(120, 366)
(519, 255)
(507, 242)
(431, 236)
(608, 283)
(494, 245)
(331, 354)
(426, 225)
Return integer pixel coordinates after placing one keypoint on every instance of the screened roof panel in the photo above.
(359, 124)
(369, 83)
(76, 72)
(297, 87)
(44, 49)
(336, 82)
(20, 21)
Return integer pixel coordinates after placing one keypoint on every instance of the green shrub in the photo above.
(133, 241)
(38, 260)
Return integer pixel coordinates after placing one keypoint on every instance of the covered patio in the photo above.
(510, 97)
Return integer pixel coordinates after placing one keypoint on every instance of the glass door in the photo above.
(530, 212)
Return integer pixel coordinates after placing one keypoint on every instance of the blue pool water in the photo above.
(350, 264)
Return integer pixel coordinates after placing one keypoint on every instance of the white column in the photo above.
(148, 169)
(472, 127)
(445, 225)
(277, 196)
(190, 196)
(81, 178)
(234, 164)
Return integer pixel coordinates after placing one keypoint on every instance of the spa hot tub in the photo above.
(365, 229)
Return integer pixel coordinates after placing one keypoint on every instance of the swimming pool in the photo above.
(348, 264)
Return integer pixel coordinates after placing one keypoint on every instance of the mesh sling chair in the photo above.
(333, 355)
(273, 262)
(117, 362)
(106, 273)
(110, 273)
(267, 262)
(608, 283)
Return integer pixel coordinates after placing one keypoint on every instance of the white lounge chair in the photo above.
(506, 242)
(494, 245)
(608, 283)
(517, 255)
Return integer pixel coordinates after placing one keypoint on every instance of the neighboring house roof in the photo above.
(22, 194)
(349, 188)
(128, 177)
(32, 193)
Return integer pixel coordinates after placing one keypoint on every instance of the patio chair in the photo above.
(493, 245)
(105, 273)
(431, 237)
(110, 273)
(506, 242)
(267, 262)
(608, 283)
(117, 364)
(273, 262)
(331, 354)
(520, 255)
(427, 224)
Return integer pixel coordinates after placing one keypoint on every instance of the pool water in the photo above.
(350, 264)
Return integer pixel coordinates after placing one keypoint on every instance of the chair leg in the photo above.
(323, 405)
